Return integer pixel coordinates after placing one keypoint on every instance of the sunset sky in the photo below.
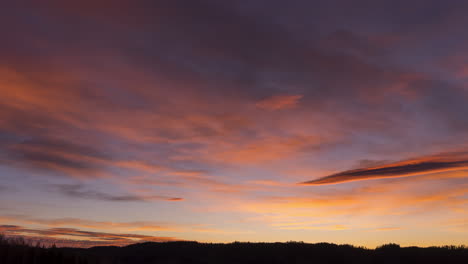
(340, 121)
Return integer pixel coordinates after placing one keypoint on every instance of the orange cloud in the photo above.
(317, 227)
(388, 228)
(279, 102)
(263, 150)
(360, 207)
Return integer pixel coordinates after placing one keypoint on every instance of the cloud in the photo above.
(279, 102)
(423, 165)
(66, 157)
(5, 188)
(91, 224)
(192, 180)
(264, 150)
(51, 227)
(57, 156)
(89, 236)
(457, 224)
(80, 191)
(402, 198)
(224, 47)
(390, 228)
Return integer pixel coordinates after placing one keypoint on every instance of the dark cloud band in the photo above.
(424, 165)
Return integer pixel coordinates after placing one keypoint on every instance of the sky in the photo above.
(217, 121)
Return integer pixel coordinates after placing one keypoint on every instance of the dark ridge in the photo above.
(18, 251)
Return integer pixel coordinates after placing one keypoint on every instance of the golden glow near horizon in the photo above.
(222, 122)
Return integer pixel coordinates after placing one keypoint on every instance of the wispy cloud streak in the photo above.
(424, 165)
(80, 191)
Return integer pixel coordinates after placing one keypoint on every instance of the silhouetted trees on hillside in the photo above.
(19, 252)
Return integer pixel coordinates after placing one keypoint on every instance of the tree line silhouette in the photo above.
(18, 251)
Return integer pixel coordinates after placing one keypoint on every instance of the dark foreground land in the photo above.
(15, 252)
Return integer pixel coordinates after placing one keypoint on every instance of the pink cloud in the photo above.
(279, 102)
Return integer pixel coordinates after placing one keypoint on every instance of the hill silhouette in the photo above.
(17, 251)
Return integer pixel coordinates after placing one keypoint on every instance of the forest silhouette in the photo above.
(19, 251)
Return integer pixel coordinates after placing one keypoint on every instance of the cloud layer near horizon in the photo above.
(86, 238)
